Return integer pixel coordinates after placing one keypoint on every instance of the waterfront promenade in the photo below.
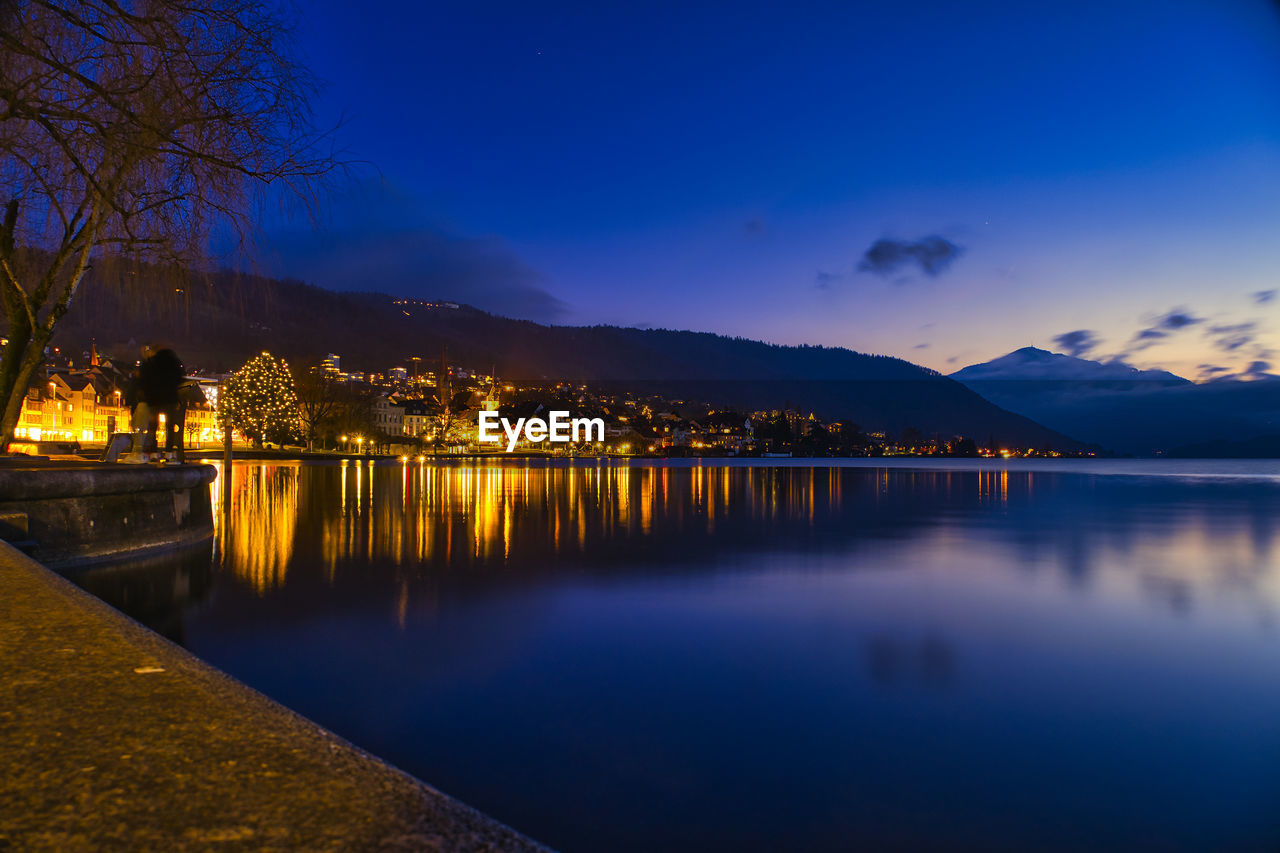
(114, 738)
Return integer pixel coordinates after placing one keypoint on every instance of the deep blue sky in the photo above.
(726, 167)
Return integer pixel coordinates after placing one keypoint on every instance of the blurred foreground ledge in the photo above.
(68, 514)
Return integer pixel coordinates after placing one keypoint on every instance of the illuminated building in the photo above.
(388, 416)
(420, 419)
(491, 400)
(88, 406)
(69, 408)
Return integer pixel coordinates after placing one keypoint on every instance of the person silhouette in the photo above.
(159, 378)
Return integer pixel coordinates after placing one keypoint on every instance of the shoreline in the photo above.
(120, 738)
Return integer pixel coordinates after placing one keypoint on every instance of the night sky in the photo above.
(942, 182)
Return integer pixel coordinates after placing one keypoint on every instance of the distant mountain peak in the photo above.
(1128, 410)
(1039, 365)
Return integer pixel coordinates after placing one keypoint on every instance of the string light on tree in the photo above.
(259, 402)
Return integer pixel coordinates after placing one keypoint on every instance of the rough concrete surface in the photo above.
(54, 479)
(84, 513)
(113, 738)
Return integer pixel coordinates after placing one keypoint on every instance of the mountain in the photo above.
(1031, 364)
(217, 320)
(1125, 409)
(1259, 447)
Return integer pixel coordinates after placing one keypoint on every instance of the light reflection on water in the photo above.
(764, 657)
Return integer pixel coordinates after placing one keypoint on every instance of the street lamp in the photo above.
(345, 449)
(360, 444)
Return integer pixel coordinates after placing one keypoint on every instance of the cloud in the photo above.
(1262, 297)
(1179, 318)
(921, 346)
(755, 229)
(1163, 326)
(824, 280)
(1210, 372)
(1078, 343)
(1232, 336)
(382, 240)
(932, 254)
(1257, 369)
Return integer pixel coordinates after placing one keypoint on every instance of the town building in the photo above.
(87, 406)
(421, 420)
(388, 416)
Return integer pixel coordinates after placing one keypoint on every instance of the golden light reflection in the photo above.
(484, 513)
(256, 537)
(994, 486)
(428, 519)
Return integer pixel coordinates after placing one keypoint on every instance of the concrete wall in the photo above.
(79, 514)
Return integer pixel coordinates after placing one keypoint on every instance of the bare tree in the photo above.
(138, 126)
(457, 405)
(354, 414)
(320, 396)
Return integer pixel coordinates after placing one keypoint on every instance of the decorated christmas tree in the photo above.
(259, 402)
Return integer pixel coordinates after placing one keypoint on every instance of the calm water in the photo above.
(1074, 655)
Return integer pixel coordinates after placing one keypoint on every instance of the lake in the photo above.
(817, 655)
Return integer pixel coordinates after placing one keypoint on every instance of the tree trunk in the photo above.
(28, 332)
(21, 358)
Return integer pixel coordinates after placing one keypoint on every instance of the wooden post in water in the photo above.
(226, 471)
